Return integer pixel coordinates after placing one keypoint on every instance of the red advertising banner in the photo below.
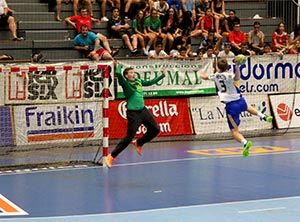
(172, 116)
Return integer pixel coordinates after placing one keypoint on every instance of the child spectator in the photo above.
(181, 53)
(158, 52)
(209, 53)
(244, 49)
(268, 50)
(184, 41)
(211, 40)
(226, 51)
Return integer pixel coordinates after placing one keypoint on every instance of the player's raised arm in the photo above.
(127, 89)
(238, 60)
(204, 76)
(153, 81)
(237, 73)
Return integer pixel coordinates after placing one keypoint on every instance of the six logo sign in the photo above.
(284, 112)
(8, 208)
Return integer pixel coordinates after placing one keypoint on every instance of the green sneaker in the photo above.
(268, 118)
(247, 146)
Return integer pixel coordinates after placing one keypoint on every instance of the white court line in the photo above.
(150, 162)
(160, 209)
(261, 210)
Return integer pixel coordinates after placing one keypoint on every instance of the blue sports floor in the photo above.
(188, 181)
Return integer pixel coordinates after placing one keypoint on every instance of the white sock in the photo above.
(147, 47)
(244, 141)
(261, 115)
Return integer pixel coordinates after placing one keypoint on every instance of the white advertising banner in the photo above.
(182, 77)
(1, 89)
(56, 83)
(58, 123)
(270, 74)
(286, 110)
(209, 115)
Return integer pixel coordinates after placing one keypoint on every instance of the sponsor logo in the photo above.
(86, 84)
(265, 74)
(161, 109)
(218, 112)
(279, 70)
(8, 208)
(57, 123)
(171, 115)
(284, 112)
(237, 151)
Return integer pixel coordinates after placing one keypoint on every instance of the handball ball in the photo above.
(240, 59)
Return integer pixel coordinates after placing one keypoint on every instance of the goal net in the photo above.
(54, 114)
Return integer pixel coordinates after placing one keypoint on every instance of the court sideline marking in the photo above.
(164, 209)
(43, 170)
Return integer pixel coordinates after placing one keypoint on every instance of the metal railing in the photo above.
(287, 10)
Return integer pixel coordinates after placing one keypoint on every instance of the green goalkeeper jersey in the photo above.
(133, 90)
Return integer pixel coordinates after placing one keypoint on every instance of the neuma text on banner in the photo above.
(182, 78)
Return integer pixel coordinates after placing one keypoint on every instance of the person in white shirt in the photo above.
(161, 6)
(209, 52)
(6, 18)
(158, 53)
(227, 51)
(235, 104)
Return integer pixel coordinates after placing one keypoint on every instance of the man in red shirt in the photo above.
(236, 38)
(85, 19)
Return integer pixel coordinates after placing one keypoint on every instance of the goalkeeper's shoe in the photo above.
(268, 118)
(138, 148)
(247, 146)
(108, 161)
